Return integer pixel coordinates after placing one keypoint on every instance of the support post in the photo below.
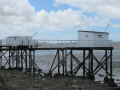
(66, 62)
(12, 57)
(9, 58)
(34, 69)
(26, 60)
(71, 64)
(58, 62)
(17, 59)
(83, 63)
(29, 62)
(111, 64)
(89, 65)
(106, 66)
(21, 60)
(91, 56)
(63, 62)
(90, 74)
(0, 58)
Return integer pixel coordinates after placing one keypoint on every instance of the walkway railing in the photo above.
(60, 43)
(74, 43)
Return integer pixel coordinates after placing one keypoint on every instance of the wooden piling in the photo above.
(28, 55)
(106, 61)
(58, 55)
(111, 64)
(29, 62)
(66, 62)
(9, 58)
(34, 69)
(21, 60)
(26, 60)
(71, 64)
(63, 64)
(83, 63)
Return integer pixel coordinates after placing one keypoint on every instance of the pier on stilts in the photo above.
(19, 53)
(23, 58)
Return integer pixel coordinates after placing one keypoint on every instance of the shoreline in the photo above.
(19, 80)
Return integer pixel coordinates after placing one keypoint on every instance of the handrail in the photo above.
(64, 43)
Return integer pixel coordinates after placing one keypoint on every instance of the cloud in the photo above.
(67, 19)
(116, 26)
(15, 12)
(19, 18)
(109, 8)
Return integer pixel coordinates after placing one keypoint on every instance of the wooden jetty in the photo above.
(19, 52)
(23, 58)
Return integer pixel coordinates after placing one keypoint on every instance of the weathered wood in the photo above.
(101, 65)
(58, 62)
(26, 60)
(106, 63)
(111, 64)
(26, 56)
(71, 63)
(83, 63)
(53, 61)
(63, 62)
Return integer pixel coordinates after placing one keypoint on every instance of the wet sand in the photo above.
(18, 80)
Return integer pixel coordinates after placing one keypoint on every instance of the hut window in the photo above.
(86, 35)
(100, 36)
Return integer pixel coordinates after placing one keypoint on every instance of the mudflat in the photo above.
(18, 80)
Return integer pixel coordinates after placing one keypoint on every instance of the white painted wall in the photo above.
(93, 39)
(104, 36)
(20, 40)
(85, 36)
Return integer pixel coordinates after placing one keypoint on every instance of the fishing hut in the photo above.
(22, 57)
(20, 41)
(93, 39)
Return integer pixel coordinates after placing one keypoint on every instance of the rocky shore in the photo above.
(17, 80)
